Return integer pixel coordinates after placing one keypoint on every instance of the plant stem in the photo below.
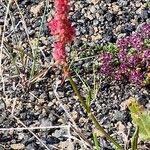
(96, 141)
(134, 141)
(92, 117)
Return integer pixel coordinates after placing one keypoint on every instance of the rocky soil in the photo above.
(42, 100)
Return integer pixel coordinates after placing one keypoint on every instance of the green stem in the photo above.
(92, 117)
(97, 147)
(134, 141)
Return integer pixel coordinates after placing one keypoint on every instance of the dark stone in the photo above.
(145, 14)
(128, 29)
(5, 138)
(77, 15)
(105, 86)
(1, 22)
(122, 116)
(123, 2)
(52, 140)
(143, 99)
(32, 146)
(108, 16)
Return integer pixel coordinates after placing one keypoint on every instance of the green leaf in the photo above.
(89, 97)
(147, 43)
(112, 48)
(147, 4)
(141, 118)
(147, 79)
(131, 51)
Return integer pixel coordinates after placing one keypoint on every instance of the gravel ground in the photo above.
(36, 105)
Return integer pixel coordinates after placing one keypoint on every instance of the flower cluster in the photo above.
(134, 41)
(145, 31)
(61, 28)
(106, 60)
(132, 61)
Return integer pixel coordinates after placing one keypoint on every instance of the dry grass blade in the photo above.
(24, 23)
(26, 128)
(20, 122)
(33, 128)
(83, 139)
(40, 76)
(2, 43)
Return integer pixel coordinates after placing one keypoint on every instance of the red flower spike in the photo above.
(59, 53)
(62, 29)
(61, 6)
